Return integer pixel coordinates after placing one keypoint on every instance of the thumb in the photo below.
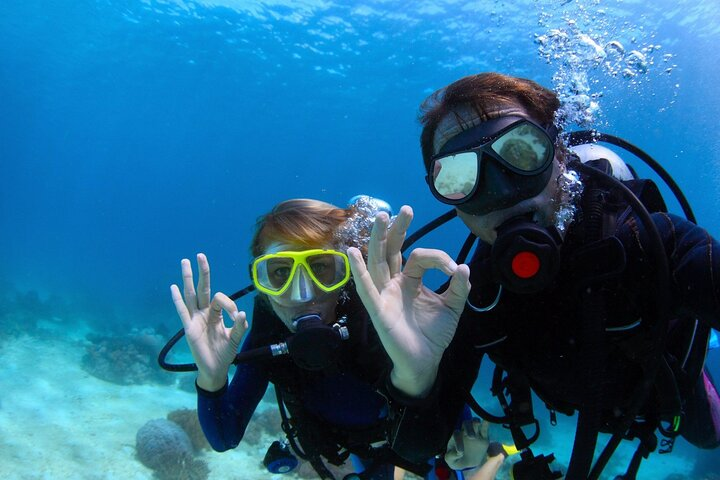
(459, 289)
(239, 328)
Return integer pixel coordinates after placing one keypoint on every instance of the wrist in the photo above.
(416, 385)
(211, 383)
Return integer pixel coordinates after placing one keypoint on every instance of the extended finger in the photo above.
(364, 284)
(396, 237)
(458, 290)
(377, 265)
(188, 285)
(180, 306)
(423, 259)
(203, 288)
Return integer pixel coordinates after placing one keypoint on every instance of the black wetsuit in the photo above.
(340, 407)
(537, 335)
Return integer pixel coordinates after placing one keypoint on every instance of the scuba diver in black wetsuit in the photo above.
(584, 291)
(310, 336)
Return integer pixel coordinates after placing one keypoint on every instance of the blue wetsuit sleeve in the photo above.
(694, 261)
(225, 414)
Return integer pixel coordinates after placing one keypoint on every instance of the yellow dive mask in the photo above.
(273, 273)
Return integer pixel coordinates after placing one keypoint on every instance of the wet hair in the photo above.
(303, 222)
(485, 92)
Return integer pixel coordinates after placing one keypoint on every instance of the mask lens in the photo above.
(273, 273)
(328, 269)
(454, 176)
(524, 147)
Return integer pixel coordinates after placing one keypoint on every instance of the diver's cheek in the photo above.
(483, 226)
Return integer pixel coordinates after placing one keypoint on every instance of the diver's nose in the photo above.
(302, 289)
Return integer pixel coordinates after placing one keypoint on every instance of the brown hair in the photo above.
(303, 222)
(485, 92)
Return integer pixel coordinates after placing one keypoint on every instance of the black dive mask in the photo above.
(493, 165)
(525, 256)
(316, 345)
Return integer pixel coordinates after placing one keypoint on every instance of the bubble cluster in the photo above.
(570, 187)
(356, 231)
(588, 46)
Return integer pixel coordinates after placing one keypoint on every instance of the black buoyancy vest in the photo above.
(363, 357)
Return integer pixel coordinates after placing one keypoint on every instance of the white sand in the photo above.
(57, 421)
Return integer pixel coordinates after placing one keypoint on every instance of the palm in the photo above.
(210, 342)
(416, 320)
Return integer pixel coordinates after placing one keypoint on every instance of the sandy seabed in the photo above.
(57, 421)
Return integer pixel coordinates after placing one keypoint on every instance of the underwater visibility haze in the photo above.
(135, 133)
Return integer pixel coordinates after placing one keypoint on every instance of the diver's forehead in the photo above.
(276, 247)
(465, 117)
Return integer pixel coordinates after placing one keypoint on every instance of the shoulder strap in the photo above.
(648, 193)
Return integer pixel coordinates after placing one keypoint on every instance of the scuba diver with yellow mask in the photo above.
(310, 337)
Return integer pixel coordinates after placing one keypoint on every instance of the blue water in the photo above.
(135, 133)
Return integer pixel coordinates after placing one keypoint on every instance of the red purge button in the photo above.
(525, 264)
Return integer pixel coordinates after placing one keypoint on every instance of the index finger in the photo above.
(423, 259)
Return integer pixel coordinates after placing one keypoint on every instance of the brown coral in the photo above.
(189, 422)
(125, 359)
(164, 447)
